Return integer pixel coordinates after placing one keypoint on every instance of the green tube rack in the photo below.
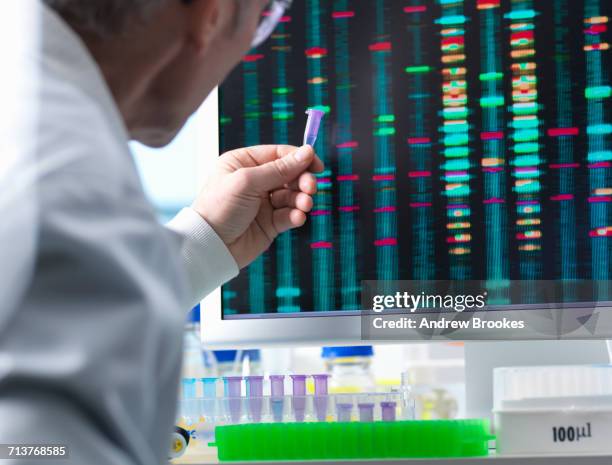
(353, 440)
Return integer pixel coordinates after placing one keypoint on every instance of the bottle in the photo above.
(238, 362)
(350, 369)
(193, 360)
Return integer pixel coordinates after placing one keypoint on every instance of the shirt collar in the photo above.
(66, 54)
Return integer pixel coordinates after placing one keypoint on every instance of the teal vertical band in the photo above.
(455, 138)
(387, 267)
(494, 156)
(601, 213)
(348, 232)
(322, 224)
(422, 110)
(528, 229)
(252, 131)
(283, 117)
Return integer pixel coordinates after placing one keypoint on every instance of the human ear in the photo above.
(204, 19)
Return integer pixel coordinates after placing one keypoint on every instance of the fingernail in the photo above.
(303, 153)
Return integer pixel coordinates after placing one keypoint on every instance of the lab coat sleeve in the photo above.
(207, 260)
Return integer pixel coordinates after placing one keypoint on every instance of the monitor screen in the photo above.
(463, 140)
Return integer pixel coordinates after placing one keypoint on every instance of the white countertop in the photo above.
(206, 459)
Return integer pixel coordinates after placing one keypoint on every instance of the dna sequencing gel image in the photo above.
(463, 140)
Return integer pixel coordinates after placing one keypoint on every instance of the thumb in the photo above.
(275, 174)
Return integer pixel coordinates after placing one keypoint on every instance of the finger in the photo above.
(260, 154)
(306, 183)
(317, 165)
(293, 199)
(287, 218)
(282, 171)
(249, 157)
(265, 153)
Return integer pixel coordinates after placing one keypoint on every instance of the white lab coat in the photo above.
(93, 291)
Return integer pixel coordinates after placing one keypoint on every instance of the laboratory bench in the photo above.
(491, 460)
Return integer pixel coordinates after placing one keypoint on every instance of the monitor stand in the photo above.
(481, 357)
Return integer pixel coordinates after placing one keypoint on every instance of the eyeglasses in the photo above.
(269, 20)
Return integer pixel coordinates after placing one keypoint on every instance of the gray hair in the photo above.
(103, 17)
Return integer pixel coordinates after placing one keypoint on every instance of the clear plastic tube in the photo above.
(388, 411)
(366, 412)
(298, 401)
(277, 397)
(189, 388)
(255, 393)
(312, 126)
(233, 388)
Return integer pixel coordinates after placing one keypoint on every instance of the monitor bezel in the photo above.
(339, 329)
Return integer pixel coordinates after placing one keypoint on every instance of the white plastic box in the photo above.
(553, 410)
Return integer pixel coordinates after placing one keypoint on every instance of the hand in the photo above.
(258, 193)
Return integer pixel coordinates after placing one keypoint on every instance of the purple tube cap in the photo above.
(344, 406)
(254, 385)
(277, 385)
(366, 405)
(232, 385)
(343, 411)
(320, 384)
(299, 385)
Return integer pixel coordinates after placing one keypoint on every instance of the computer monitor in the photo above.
(463, 140)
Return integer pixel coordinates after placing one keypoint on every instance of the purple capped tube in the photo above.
(312, 126)
(299, 397)
(233, 391)
(254, 386)
(366, 412)
(321, 398)
(388, 410)
(277, 396)
(343, 411)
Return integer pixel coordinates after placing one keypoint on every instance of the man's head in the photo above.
(161, 58)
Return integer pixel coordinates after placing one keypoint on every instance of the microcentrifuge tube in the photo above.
(388, 411)
(233, 388)
(299, 385)
(189, 404)
(209, 387)
(320, 399)
(277, 398)
(299, 396)
(366, 412)
(209, 401)
(343, 411)
(312, 126)
(254, 386)
(189, 388)
(320, 384)
(277, 385)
